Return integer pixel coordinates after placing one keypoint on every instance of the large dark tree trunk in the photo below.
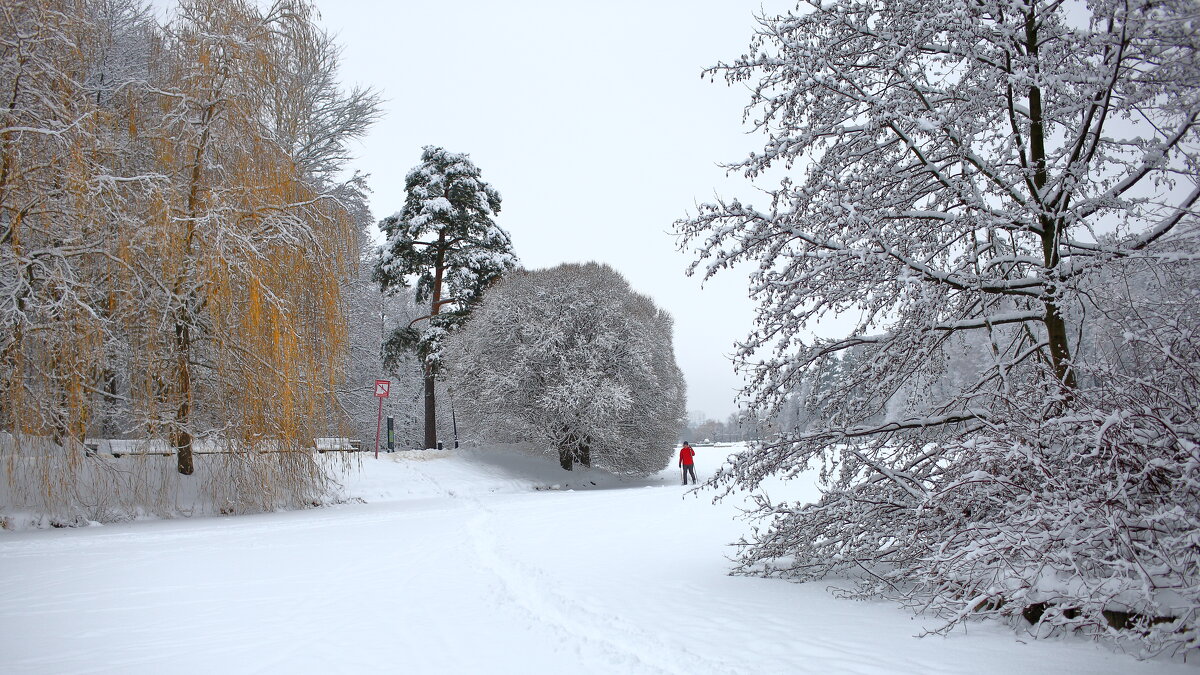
(181, 439)
(435, 308)
(584, 453)
(183, 449)
(574, 450)
(430, 413)
(1060, 349)
(1056, 327)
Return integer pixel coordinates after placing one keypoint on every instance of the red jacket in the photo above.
(686, 455)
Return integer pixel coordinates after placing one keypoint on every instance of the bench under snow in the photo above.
(120, 448)
(338, 444)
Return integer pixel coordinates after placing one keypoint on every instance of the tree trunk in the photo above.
(574, 450)
(435, 308)
(180, 437)
(584, 453)
(430, 412)
(1060, 349)
(1056, 327)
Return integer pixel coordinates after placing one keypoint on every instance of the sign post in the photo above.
(382, 387)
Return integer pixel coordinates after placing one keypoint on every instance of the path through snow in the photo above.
(458, 565)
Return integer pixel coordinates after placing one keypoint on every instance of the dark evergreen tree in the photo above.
(445, 242)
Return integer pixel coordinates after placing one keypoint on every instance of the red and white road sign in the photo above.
(382, 387)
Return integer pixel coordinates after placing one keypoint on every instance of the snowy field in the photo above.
(465, 562)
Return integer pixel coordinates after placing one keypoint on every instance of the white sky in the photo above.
(592, 121)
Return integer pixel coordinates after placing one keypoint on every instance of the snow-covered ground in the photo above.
(463, 562)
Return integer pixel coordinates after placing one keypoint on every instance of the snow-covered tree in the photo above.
(445, 238)
(1003, 194)
(251, 242)
(572, 360)
(51, 242)
(172, 250)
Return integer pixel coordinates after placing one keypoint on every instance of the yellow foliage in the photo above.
(218, 274)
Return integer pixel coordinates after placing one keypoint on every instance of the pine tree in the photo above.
(445, 238)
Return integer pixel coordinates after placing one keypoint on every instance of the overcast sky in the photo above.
(592, 121)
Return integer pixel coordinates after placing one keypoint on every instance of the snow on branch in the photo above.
(995, 206)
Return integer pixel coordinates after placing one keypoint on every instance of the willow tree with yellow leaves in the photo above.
(173, 252)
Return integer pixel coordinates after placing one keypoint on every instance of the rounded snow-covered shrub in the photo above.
(572, 360)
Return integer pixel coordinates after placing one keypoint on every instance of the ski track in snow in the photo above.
(599, 637)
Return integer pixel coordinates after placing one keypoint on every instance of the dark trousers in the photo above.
(689, 468)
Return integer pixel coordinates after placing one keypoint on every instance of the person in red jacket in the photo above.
(685, 462)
